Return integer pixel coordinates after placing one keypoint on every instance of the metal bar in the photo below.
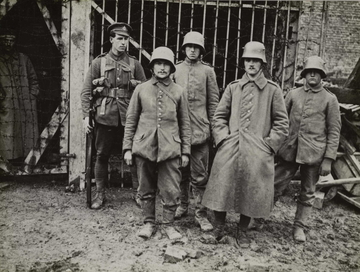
(264, 23)
(274, 38)
(178, 32)
(102, 25)
(204, 18)
(141, 27)
(129, 12)
(308, 29)
(297, 45)
(238, 43)
(338, 182)
(323, 29)
(154, 29)
(192, 16)
(167, 23)
(215, 32)
(227, 44)
(252, 21)
(116, 10)
(286, 43)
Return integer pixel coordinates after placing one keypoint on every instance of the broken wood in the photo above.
(339, 182)
(350, 149)
(352, 200)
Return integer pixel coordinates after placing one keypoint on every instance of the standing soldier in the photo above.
(250, 123)
(199, 81)
(157, 136)
(110, 82)
(312, 142)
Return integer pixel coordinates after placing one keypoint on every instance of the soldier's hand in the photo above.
(87, 126)
(128, 157)
(325, 167)
(184, 160)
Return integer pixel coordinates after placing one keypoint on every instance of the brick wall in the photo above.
(330, 29)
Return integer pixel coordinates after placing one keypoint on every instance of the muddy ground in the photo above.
(44, 228)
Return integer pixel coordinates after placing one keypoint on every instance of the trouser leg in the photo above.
(284, 172)
(147, 175)
(309, 177)
(169, 177)
(199, 162)
(104, 139)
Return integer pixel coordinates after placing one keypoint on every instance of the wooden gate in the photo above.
(226, 25)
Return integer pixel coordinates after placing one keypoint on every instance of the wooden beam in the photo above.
(111, 21)
(338, 182)
(51, 26)
(49, 131)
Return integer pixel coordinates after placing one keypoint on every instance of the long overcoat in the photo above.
(19, 88)
(250, 123)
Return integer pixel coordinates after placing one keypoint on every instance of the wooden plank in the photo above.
(352, 200)
(80, 49)
(349, 148)
(51, 26)
(44, 139)
(338, 182)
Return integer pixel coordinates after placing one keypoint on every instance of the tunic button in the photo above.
(248, 110)
(159, 113)
(118, 78)
(159, 119)
(159, 102)
(159, 125)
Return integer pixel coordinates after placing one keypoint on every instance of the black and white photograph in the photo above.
(179, 135)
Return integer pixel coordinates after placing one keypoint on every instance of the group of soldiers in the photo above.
(167, 124)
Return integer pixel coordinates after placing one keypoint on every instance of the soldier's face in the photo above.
(313, 77)
(161, 69)
(119, 43)
(252, 66)
(7, 42)
(192, 51)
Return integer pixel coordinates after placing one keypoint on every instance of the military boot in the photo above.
(100, 195)
(201, 211)
(219, 225)
(301, 216)
(168, 222)
(183, 208)
(148, 209)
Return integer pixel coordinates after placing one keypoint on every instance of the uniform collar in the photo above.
(165, 82)
(260, 81)
(117, 58)
(316, 89)
(189, 62)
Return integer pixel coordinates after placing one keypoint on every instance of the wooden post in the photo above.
(79, 48)
(274, 39)
(264, 23)
(204, 19)
(154, 29)
(227, 43)
(215, 33)
(178, 32)
(252, 21)
(238, 43)
(286, 44)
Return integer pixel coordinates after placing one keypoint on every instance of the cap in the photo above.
(120, 28)
(5, 31)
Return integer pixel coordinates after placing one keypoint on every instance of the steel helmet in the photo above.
(314, 62)
(163, 53)
(254, 50)
(194, 37)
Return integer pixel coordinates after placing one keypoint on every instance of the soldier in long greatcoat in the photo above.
(19, 89)
(250, 123)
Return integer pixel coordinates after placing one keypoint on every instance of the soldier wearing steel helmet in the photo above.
(250, 124)
(157, 140)
(312, 142)
(110, 82)
(199, 81)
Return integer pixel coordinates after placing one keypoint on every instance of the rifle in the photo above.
(89, 161)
